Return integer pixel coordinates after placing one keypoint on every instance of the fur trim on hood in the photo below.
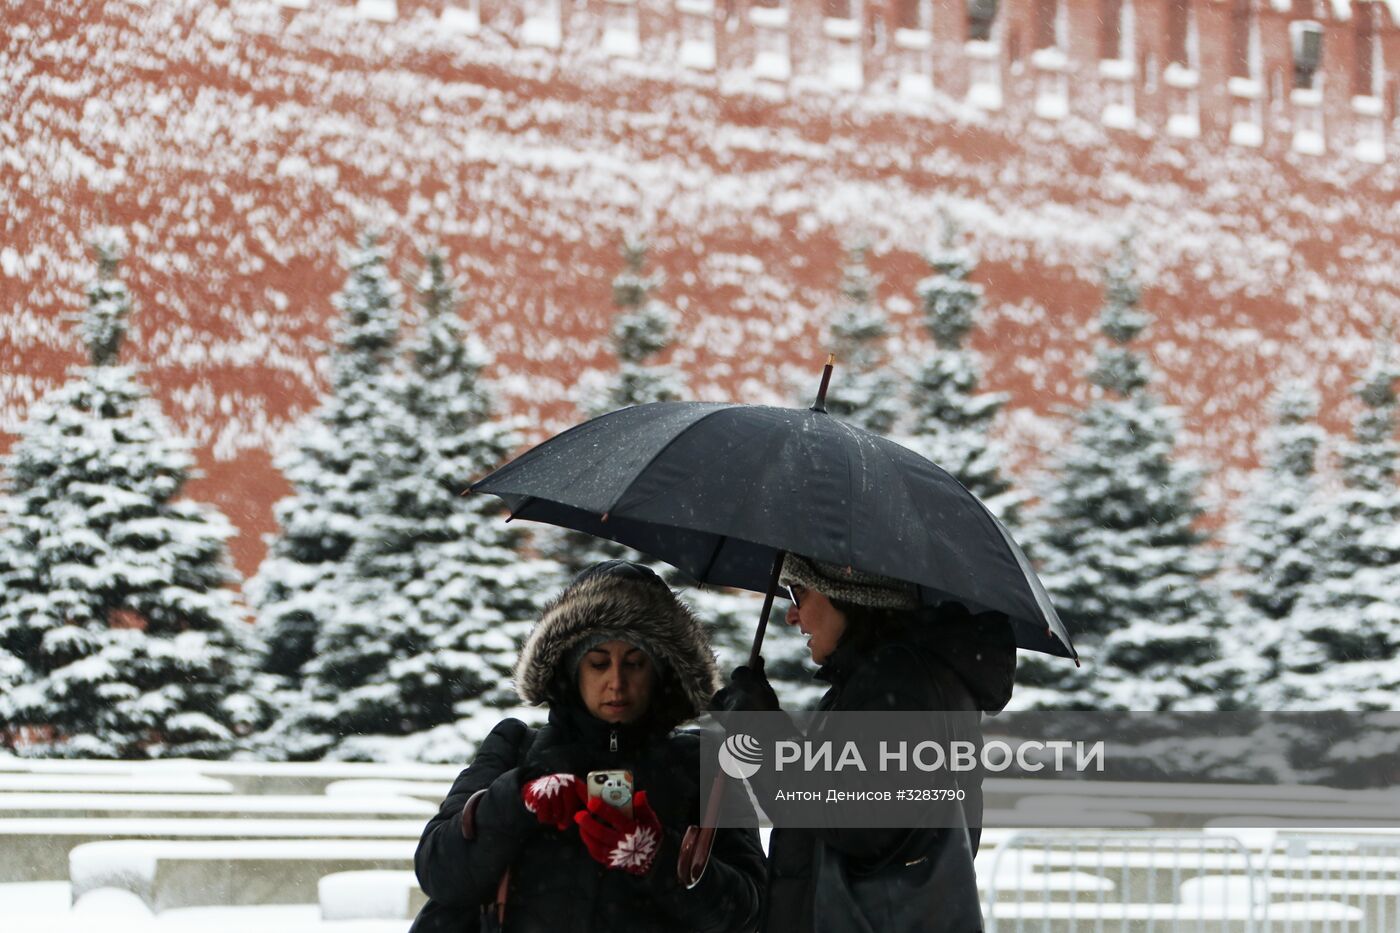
(645, 613)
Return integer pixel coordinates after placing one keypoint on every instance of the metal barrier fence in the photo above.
(1121, 882)
(1360, 872)
(1145, 882)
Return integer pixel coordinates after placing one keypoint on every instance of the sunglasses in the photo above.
(792, 596)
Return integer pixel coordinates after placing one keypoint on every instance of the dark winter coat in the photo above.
(554, 884)
(955, 663)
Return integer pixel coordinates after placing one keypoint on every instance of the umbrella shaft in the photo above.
(767, 608)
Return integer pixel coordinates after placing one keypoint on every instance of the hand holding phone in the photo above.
(627, 841)
(613, 788)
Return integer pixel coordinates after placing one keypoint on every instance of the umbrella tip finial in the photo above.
(826, 381)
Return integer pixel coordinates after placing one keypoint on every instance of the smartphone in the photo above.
(611, 787)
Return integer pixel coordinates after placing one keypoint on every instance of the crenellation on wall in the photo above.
(1124, 75)
(1236, 90)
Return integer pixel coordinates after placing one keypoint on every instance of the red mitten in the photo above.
(554, 799)
(617, 840)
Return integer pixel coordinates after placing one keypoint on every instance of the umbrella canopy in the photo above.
(720, 490)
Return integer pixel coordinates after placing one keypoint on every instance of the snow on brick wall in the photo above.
(243, 144)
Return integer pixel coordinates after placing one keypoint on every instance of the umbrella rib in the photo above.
(664, 447)
(714, 556)
(904, 481)
(851, 500)
(524, 504)
(773, 442)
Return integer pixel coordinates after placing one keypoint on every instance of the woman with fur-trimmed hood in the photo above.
(620, 662)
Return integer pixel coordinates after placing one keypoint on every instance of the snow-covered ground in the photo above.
(44, 907)
(1019, 866)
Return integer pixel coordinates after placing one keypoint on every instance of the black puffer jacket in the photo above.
(553, 882)
(958, 663)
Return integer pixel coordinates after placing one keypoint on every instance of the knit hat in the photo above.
(852, 586)
(586, 644)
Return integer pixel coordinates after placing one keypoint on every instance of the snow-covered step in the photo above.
(37, 849)
(433, 791)
(210, 806)
(169, 874)
(246, 777)
(312, 777)
(298, 778)
(371, 895)
(12, 764)
(111, 783)
(47, 908)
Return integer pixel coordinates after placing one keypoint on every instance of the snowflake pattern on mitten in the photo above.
(626, 841)
(546, 788)
(636, 851)
(554, 799)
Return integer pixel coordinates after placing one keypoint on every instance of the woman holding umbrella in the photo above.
(881, 652)
(519, 840)
(724, 492)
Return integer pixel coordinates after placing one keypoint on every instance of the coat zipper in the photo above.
(612, 741)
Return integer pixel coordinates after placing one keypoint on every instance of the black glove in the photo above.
(748, 691)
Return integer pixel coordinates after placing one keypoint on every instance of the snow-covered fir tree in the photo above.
(1340, 646)
(439, 596)
(951, 419)
(334, 466)
(1119, 550)
(119, 633)
(1277, 548)
(643, 328)
(864, 389)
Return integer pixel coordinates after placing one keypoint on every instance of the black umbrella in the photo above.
(722, 491)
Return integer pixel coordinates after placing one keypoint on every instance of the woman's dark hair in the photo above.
(867, 626)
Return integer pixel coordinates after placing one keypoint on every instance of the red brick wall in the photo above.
(242, 146)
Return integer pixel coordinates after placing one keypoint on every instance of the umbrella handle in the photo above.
(767, 608)
(698, 840)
